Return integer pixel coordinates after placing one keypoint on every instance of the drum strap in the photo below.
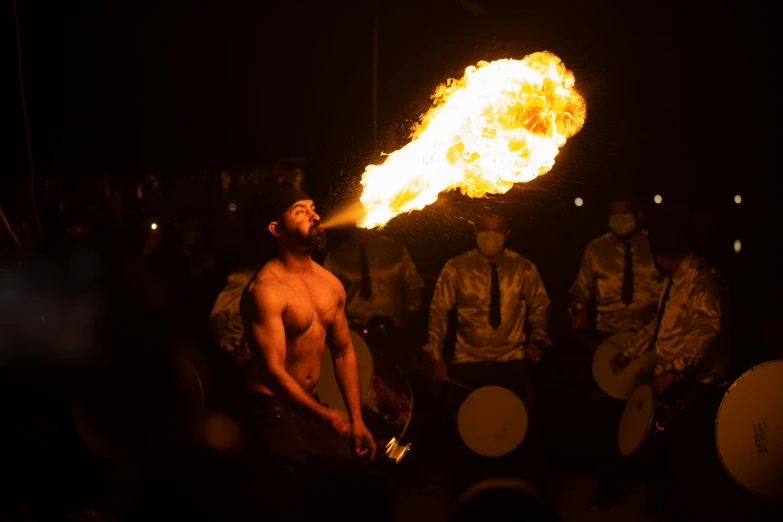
(661, 308)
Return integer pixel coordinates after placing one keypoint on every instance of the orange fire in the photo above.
(502, 123)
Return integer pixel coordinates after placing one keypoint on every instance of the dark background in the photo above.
(680, 103)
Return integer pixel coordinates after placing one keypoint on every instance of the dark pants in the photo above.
(610, 465)
(288, 446)
(527, 460)
(653, 461)
(292, 438)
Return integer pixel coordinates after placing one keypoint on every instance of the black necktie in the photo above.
(494, 303)
(628, 275)
(366, 290)
(660, 314)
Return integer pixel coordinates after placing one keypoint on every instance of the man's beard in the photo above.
(315, 240)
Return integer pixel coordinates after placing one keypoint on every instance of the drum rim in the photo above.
(524, 408)
(372, 363)
(649, 424)
(372, 370)
(648, 356)
(717, 423)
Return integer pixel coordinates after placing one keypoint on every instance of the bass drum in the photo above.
(387, 398)
(492, 421)
(749, 430)
(622, 384)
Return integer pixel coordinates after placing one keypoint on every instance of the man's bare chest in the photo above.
(308, 304)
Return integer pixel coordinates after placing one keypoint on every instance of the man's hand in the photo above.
(619, 362)
(661, 382)
(338, 421)
(579, 320)
(438, 371)
(362, 439)
(534, 352)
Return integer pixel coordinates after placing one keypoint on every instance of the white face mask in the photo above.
(490, 243)
(622, 224)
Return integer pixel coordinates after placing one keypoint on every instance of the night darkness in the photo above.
(676, 98)
(681, 101)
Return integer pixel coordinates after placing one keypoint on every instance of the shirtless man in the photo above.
(291, 309)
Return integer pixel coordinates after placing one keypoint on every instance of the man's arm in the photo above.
(266, 338)
(705, 309)
(537, 304)
(225, 320)
(443, 301)
(346, 366)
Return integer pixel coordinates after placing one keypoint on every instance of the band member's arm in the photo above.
(443, 300)
(266, 338)
(346, 366)
(537, 306)
(705, 303)
(583, 287)
(225, 320)
(641, 341)
(413, 282)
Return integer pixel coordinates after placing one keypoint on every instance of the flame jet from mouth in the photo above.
(502, 123)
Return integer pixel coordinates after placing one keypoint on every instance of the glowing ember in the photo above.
(502, 123)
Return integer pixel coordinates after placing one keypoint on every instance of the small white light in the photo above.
(232, 207)
(578, 202)
(658, 199)
(154, 226)
(737, 199)
(737, 246)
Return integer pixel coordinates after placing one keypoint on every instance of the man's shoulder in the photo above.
(517, 258)
(265, 282)
(460, 260)
(606, 238)
(390, 246)
(328, 277)
(705, 273)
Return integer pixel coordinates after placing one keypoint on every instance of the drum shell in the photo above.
(388, 407)
(387, 398)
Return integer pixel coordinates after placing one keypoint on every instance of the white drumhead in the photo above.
(492, 421)
(625, 382)
(749, 430)
(328, 389)
(636, 421)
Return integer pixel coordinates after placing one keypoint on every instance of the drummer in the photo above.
(617, 276)
(619, 281)
(690, 336)
(381, 281)
(495, 291)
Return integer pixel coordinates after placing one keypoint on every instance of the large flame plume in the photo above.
(502, 123)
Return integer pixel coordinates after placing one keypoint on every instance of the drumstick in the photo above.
(455, 383)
